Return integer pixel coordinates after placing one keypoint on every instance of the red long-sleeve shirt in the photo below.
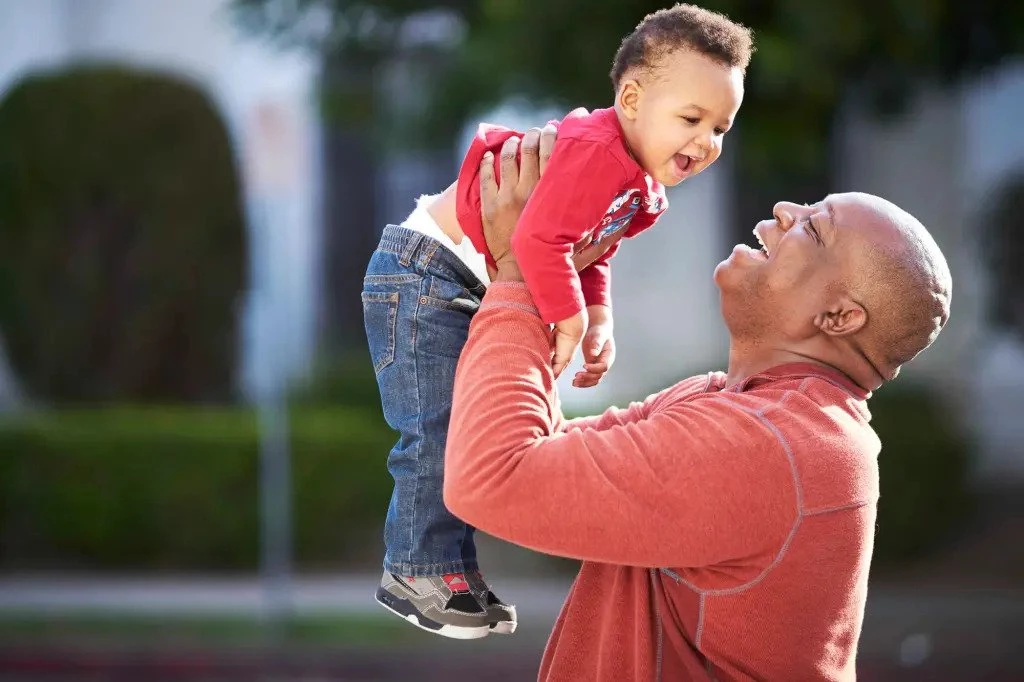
(591, 190)
(725, 534)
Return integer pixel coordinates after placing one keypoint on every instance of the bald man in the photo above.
(725, 524)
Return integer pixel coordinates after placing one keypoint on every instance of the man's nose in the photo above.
(785, 213)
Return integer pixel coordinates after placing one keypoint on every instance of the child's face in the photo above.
(677, 116)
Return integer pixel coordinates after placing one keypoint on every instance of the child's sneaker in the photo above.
(501, 616)
(444, 605)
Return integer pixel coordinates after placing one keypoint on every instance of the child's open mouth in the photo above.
(684, 164)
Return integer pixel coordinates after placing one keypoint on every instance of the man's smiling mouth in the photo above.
(764, 247)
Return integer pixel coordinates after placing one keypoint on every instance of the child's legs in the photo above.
(418, 300)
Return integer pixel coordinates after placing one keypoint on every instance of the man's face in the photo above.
(783, 285)
(680, 113)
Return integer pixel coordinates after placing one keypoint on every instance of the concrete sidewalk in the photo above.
(243, 596)
(902, 625)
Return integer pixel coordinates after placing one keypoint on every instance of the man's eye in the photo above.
(814, 232)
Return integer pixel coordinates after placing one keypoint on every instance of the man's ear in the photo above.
(842, 318)
(629, 98)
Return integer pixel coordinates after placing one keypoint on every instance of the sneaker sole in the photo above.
(505, 627)
(405, 610)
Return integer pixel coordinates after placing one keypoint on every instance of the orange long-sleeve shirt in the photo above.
(725, 534)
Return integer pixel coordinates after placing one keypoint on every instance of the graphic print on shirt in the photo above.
(616, 218)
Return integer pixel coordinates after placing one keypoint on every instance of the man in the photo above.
(725, 524)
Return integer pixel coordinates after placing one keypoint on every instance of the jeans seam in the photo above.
(391, 279)
(419, 422)
(410, 568)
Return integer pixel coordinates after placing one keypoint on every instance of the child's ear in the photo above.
(629, 98)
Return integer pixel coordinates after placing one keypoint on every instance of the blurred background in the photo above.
(192, 458)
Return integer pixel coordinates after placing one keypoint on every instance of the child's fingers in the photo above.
(586, 379)
(596, 367)
(595, 343)
(565, 346)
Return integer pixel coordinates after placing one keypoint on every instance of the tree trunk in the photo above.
(350, 202)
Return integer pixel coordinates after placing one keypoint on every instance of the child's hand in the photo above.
(565, 339)
(598, 355)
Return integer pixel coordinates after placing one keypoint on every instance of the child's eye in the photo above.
(691, 120)
(720, 131)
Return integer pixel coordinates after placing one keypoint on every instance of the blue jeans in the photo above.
(418, 300)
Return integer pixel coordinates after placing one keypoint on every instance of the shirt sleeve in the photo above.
(613, 416)
(596, 279)
(667, 487)
(578, 185)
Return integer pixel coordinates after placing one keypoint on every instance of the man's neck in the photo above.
(747, 359)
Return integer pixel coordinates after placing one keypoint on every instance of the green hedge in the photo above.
(141, 489)
(925, 472)
(122, 238)
(177, 488)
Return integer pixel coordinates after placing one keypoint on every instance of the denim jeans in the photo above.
(418, 300)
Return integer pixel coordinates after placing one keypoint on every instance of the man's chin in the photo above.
(725, 274)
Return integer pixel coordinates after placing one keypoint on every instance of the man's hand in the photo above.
(502, 206)
(598, 347)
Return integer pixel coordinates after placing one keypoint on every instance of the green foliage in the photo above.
(810, 55)
(925, 474)
(177, 489)
(347, 381)
(122, 241)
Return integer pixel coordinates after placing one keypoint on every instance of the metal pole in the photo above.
(274, 167)
(275, 511)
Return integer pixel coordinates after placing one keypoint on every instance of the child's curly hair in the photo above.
(679, 27)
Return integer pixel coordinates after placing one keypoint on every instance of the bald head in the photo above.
(897, 272)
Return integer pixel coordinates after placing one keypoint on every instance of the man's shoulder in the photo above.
(796, 405)
(826, 430)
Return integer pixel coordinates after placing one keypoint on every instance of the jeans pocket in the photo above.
(448, 295)
(380, 314)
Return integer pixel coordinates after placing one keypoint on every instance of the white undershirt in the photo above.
(421, 221)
